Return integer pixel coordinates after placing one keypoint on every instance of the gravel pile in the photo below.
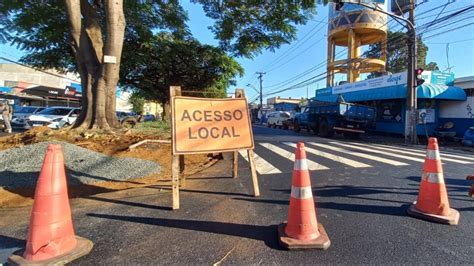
(20, 167)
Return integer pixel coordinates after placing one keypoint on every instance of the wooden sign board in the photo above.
(208, 125)
(204, 125)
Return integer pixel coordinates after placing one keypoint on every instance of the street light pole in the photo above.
(411, 114)
(260, 76)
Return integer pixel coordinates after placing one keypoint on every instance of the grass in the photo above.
(158, 126)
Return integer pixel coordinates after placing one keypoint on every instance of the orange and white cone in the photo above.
(432, 203)
(51, 238)
(302, 229)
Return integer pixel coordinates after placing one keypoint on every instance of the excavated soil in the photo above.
(115, 145)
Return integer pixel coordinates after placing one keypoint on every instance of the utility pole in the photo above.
(411, 119)
(260, 76)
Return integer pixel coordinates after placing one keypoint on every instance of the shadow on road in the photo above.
(204, 191)
(345, 191)
(363, 208)
(267, 234)
(129, 203)
(453, 184)
(11, 242)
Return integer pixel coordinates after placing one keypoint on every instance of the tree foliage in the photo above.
(171, 60)
(397, 53)
(137, 100)
(149, 38)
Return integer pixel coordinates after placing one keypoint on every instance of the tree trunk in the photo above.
(98, 78)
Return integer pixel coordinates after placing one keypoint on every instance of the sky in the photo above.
(308, 51)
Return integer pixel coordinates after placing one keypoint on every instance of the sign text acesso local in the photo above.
(212, 116)
(210, 125)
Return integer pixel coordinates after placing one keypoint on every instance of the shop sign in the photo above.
(384, 81)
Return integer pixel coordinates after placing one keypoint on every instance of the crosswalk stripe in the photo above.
(291, 156)
(443, 154)
(392, 154)
(263, 167)
(333, 157)
(359, 154)
(408, 152)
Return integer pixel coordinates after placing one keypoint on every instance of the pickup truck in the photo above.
(327, 118)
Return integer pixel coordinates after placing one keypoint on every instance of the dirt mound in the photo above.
(115, 145)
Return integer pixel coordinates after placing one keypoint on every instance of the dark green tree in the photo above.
(397, 53)
(137, 100)
(78, 34)
(201, 70)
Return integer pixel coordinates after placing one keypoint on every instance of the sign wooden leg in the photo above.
(235, 164)
(256, 189)
(175, 181)
(182, 177)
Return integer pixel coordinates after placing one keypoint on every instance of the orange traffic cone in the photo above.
(302, 229)
(51, 238)
(433, 203)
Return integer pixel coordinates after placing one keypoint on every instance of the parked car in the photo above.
(275, 119)
(126, 119)
(22, 114)
(148, 118)
(54, 117)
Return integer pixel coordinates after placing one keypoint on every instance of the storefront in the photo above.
(388, 95)
(68, 97)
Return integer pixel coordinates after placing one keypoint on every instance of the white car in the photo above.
(54, 117)
(21, 115)
(275, 119)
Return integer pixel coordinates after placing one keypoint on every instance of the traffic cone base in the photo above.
(451, 219)
(321, 242)
(83, 247)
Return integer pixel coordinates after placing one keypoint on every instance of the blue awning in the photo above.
(425, 91)
(5, 89)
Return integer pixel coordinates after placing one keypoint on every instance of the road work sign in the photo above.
(202, 125)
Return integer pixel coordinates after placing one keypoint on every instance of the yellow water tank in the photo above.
(354, 26)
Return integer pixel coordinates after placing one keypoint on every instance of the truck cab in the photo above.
(327, 118)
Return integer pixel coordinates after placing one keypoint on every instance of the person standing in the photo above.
(5, 109)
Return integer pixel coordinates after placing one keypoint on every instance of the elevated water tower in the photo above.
(354, 26)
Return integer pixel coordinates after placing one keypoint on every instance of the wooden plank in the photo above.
(235, 164)
(182, 177)
(175, 181)
(176, 168)
(239, 93)
(256, 190)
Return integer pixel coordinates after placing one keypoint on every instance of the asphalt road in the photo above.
(362, 193)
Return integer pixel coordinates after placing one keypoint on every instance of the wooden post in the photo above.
(239, 93)
(253, 171)
(182, 177)
(177, 161)
(235, 164)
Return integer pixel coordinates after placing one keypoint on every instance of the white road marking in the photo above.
(392, 154)
(359, 154)
(263, 167)
(291, 156)
(397, 150)
(333, 157)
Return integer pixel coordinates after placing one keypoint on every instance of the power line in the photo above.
(458, 41)
(297, 44)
